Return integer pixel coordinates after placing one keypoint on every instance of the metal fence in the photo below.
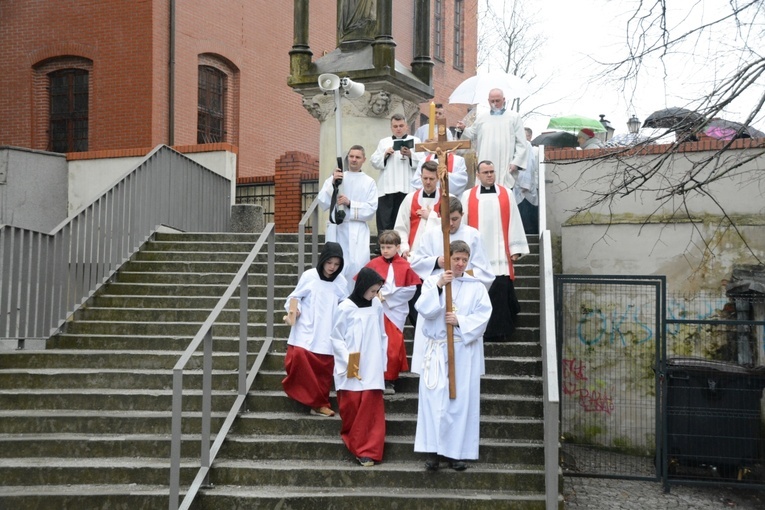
(659, 386)
(609, 342)
(715, 377)
(263, 194)
(44, 277)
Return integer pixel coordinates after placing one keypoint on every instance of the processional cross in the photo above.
(442, 148)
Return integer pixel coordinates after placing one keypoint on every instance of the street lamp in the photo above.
(633, 125)
(352, 90)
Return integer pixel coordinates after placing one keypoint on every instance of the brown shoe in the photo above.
(323, 411)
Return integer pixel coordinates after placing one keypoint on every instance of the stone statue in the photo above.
(356, 20)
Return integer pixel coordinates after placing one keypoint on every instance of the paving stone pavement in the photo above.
(613, 494)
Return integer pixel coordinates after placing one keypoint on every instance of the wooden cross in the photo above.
(442, 148)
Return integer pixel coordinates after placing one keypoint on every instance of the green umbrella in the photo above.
(575, 123)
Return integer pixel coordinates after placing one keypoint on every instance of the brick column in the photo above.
(287, 177)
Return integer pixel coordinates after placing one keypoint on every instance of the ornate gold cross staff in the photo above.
(442, 148)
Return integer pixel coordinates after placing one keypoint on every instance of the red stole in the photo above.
(449, 161)
(504, 210)
(403, 274)
(414, 218)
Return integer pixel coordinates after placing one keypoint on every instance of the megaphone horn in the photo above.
(352, 89)
(328, 82)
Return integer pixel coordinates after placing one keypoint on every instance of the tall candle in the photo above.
(432, 121)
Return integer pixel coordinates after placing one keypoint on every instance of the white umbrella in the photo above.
(476, 88)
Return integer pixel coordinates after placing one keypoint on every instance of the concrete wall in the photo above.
(609, 347)
(33, 189)
(647, 233)
(89, 178)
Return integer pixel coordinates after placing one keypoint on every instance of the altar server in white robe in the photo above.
(428, 259)
(356, 197)
(498, 136)
(455, 166)
(360, 347)
(492, 210)
(420, 211)
(450, 427)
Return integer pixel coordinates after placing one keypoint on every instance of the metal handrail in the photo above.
(312, 214)
(549, 349)
(208, 453)
(45, 277)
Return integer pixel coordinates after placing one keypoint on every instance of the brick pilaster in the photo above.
(288, 173)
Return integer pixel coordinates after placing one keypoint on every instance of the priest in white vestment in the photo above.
(450, 427)
(356, 197)
(492, 210)
(498, 136)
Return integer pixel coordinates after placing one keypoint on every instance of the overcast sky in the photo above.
(582, 34)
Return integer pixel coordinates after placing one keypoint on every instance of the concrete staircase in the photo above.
(86, 423)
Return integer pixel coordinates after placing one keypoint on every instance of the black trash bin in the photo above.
(713, 415)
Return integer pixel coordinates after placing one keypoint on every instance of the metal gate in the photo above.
(610, 332)
(660, 387)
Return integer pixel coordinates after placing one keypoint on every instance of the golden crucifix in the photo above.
(442, 149)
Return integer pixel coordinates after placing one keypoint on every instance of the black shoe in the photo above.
(432, 463)
(390, 388)
(458, 465)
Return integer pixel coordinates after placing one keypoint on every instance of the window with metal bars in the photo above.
(211, 107)
(68, 94)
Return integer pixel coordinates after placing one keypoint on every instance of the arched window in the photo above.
(211, 116)
(68, 111)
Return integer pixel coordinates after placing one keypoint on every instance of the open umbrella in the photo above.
(675, 119)
(476, 88)
(575, 123)
(722, 129)
(556, 139)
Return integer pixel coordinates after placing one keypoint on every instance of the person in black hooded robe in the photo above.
(309, 362)
(361, 346)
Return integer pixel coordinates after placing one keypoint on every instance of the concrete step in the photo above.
(64, 445)
(391, 475)
(299, 497)
(58, 421)
(95, 378)
(110, 399)
(298, 422)
(143, 342)
(86, 496)
(34, 472)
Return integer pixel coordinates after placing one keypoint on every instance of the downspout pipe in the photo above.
(171, 79)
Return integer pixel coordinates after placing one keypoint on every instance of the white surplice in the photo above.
(353, 233)
(445, 426)
(360, 330)
(500, 139)
(404, 221)
(491, 230)
(423, 260)
(317, 302)
(458, 177)
(396, 299)
(395, 172)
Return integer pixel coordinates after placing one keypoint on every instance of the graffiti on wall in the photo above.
(575, 385)
(633, 325)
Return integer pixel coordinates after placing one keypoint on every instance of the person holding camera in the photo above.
(351, 199)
